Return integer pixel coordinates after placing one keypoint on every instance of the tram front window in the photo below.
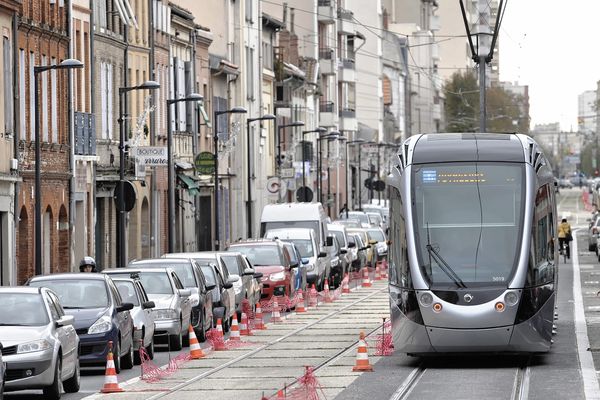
(468, 220)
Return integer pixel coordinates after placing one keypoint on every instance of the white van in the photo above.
(296, 215)
(319, 264)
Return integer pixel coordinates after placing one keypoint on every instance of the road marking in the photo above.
(586, 362)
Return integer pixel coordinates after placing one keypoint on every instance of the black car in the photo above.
(220, 294)
(100, 315)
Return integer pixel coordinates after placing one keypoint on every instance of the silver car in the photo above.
(40, 343)
(2, 374)
(172, 312)
(247, 286)
(132, 291)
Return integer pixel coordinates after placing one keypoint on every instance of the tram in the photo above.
(473, 255)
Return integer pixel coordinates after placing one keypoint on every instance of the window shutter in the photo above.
(8, 94)
(103, 102)
(109, 99)
(189, 88)
(180, 95)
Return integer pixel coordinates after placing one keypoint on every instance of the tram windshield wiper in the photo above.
(442, 263)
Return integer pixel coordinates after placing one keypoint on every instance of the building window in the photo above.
(44, 103)
(250, 72)
(22, 103)
(106, 97)
(249, 11)
(8, 95)
(54, 100)
(31, 96)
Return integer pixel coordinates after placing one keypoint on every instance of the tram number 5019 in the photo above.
(498, 279)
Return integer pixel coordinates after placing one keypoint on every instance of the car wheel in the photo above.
(150, 349)
(201, 333)
(73, 384)
(226, 324)
(137, 359)
(127, 360)
(117, 357)
(591, 247)
(54, 391)
(176, 341)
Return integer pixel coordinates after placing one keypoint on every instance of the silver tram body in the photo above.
(473, 254)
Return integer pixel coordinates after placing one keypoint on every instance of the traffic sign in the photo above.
(129, 191)
(379, 186)
(304, 194)
(205, 163)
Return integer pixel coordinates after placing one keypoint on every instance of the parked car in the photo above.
(355, 240)
(172, 305)
(132, 291)
(191, 277)
(220, 294)
(375, 219)
(593, 233)
(100, 315)
(366, 246)
(213, 258)
(2, 374)
(298, 277)
(361, 216)
(348, 223)
(339, 232)
(272, 259)
(41, 347)
(378, 242)
(336, 255)
(319, 262)
(246, 287)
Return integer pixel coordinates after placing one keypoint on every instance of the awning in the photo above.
(188, 182)
(204, 116)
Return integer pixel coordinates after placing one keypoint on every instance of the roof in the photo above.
(70, 275)
(170, 260)
(20, 289)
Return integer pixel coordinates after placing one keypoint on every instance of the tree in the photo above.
(505, 110)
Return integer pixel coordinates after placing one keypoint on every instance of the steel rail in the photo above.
(265, 346)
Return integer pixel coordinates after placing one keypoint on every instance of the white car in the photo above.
(132, 291)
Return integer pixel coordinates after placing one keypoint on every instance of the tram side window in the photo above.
(399, 269)
(541, 268)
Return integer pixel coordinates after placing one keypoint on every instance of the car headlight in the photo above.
(165, 314)
(194, 301)
(277, 276)
(103, 324)
(310, 267)
(37, 345)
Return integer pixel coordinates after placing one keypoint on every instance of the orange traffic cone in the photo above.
(219, 340)
(110, 379)
(276, 316)
(362, 356)
(234, 333)
(300, 306)
(345, 286)
(244, 326)
(328, 298)
(365, 281)
(313, 296)
(195, 349)
(258, 318)
(377, 272)
(280, 395)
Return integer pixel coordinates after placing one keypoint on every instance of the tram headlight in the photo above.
(426, 299)
(511, 298)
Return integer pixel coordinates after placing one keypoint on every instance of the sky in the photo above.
(551, 46)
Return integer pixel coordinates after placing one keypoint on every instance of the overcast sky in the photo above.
(552, 46)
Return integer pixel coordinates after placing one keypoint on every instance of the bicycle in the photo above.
(564, 246)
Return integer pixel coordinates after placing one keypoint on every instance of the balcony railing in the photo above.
(348, 63)
(347, 112)
(326, 53)
(324, 3)
(326, 106)
(85, 134)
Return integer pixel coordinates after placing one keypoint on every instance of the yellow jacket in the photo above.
(564, 229)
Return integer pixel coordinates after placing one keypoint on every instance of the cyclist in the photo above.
(564, 237)
(88, 264)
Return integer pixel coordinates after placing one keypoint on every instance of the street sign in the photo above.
(304, 194)
(205, 163)
(287, 172)
(151, 156)
(129, 191)
(273, 184)
(379, 186)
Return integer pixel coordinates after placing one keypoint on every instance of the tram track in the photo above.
(270, 344)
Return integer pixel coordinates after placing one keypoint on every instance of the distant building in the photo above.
(586, 112)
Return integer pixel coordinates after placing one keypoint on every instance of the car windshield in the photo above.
(290, 247)
(304, 246)
(232, 264)
(362, 217)
(339, 235)
(468, 220)
(267, 226)
(375, 219)
(77, 293)
(156, 282)
(22, 309)
(376, 234)
(184, 272)
(209, 274)
(261, 254)
(127, 292)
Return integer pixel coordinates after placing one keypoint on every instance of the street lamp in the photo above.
(192, 97)
(69, 63)
(359, 172)
(318, 130)
(331, 134)
(266, 117)
(351, 142)
(234, 110)
(121, 253)
(279, 129)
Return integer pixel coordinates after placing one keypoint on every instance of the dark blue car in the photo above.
(100, 315)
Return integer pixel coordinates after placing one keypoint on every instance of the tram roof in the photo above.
(456, 147)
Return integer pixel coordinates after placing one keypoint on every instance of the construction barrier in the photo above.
(111, 385)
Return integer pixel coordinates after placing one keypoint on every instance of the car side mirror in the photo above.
(249, 271)
(258, 275)
(351, 245)
(294, 265)
(388, 242)
(322, 254)
(343, 251)
(148, 304)
(65, 320)
(210, 287)
(228, 285)
(329, 241)
(125, 307)
(233, 278)
(305, 260)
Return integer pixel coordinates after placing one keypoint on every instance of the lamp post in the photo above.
(320, 168)
(65, 64)
(279, 129)
(266, 117)
(170, 177)
(121, 253)
(340, 138)
(351, 142)
(318, 130)
(359, 173)
(234, 110)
